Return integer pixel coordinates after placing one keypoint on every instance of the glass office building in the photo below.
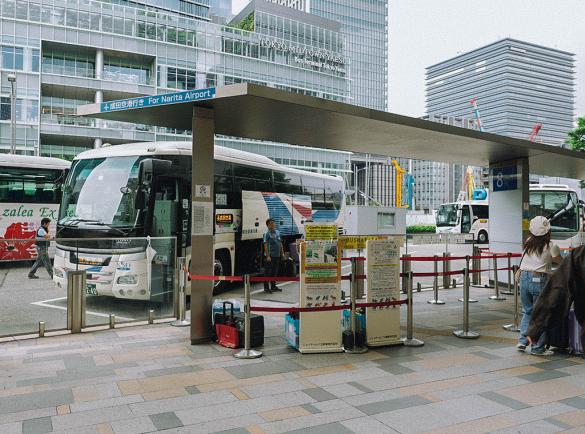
(71, 52)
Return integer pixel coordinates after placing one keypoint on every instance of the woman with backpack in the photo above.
(535, 268)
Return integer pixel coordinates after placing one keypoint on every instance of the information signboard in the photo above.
(383, 283)
(158, 100)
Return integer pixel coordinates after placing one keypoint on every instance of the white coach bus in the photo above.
(30, 190)
(557, 202)
(122, 192)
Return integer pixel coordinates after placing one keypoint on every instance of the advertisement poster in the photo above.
(383, 271)
(320, 287)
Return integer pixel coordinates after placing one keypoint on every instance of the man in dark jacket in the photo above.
(565, 286)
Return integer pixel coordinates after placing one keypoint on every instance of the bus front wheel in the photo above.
(482, 237)
(221, 267)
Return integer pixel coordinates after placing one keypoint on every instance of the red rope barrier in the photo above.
(326, 308)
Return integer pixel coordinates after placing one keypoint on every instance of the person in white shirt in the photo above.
(42, 241)
(535, 267)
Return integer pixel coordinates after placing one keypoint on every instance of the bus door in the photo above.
(465, 219)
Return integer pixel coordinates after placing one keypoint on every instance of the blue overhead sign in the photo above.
(505, 178)
(157, 100)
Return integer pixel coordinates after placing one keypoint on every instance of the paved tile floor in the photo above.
(149, 379)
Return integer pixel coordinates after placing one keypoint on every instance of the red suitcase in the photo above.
(227, 333)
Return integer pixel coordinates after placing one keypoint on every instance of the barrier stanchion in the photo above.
(436, 300)
(497, 296)
(514, 327)
(181, 296)
(446, 269)
(247, 352)
(41, 329)
(476, 265)
(406, 268)
(462, 299)
(508, 290)
(355, 349)
(410, 340)
(466, 333)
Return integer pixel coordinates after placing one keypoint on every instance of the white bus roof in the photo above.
(30, 161)
(184, 148)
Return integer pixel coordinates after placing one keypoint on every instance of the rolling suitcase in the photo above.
(256, 329)
(575, 344)
(226, 331)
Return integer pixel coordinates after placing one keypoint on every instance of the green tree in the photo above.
(577, 136)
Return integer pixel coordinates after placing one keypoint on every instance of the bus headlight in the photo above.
(129, 279)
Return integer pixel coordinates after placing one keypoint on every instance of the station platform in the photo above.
(149, 379)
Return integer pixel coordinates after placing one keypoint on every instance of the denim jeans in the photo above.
(529, 291)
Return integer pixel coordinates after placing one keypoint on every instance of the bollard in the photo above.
(514, 327)
(151, 316)
(406, 268)
(497, 296)
(181, 295)
(410, 340)
(112, 321)
(446, 269)
(436, 300)
(476, 265)
(418, 287)
(76, 287)
(508, 291)
(454, 283)
(247, 352)
(465, 333)
(354, 287)
(41, 329)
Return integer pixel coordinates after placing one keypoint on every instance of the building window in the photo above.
(12, 57)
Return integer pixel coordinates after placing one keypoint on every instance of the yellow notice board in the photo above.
(320, 232)
(355, 242)
(320, 332)
(383, 283)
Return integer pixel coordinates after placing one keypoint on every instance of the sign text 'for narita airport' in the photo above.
(156, 100)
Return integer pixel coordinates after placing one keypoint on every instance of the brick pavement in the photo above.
(150, 379)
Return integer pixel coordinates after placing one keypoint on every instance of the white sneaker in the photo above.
(520, 347)
(544, 353)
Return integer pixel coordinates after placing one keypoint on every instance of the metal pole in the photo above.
(446, 269)
(436, 300)
(409, 340)
(496, 297)
(112, 321)
(151, 316)
(181, 297)
(514, 327)
(509, 289)
(41, 329)
(476, 265)
(470, 300)
(12, 80)
(406, 268)
(465, 333)
(76, 287)
(247, 352)
(353, 323)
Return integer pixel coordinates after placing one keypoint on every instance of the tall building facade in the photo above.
(516, 85)
(74, 52)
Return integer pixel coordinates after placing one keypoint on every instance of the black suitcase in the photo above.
(288, 268)
(256, 327)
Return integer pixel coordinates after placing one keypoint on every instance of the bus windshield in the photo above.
(545, 203)
(447, 215)
(101, 191)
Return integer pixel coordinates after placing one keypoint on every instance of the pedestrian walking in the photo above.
(535, 268)
(42, 242)
(273, 252)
